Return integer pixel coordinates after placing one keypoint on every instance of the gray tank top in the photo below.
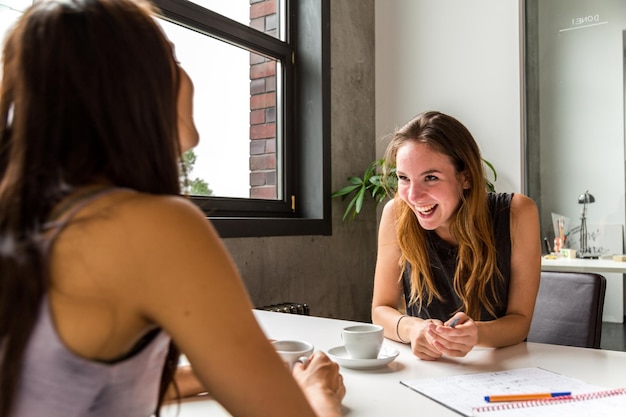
(56, 382)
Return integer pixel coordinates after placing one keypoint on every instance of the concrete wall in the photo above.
(333, 274)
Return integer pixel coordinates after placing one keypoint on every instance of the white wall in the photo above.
(460, 57)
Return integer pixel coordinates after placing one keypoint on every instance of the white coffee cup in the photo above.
(293, 351)
(363, 341)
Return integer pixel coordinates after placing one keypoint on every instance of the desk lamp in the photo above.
(584, 199)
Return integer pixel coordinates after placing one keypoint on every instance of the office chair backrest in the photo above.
(569, 309)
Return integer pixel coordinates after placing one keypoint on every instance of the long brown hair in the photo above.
(477, 270)
(89, 90)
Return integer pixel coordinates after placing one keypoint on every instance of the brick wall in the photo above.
(263, 17)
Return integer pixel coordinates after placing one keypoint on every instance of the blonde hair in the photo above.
(477, 272)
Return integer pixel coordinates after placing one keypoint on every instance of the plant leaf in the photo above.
(360, 197)
(355, 180)
(349, 209)
(345, 191)
(493, 170)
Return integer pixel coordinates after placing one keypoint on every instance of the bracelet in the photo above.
(398, 327)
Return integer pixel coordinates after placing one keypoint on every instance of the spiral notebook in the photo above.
(608, 403)
(465, 393)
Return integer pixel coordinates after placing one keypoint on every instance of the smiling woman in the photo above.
(445, 247)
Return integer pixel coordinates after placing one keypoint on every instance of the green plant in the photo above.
(379, 186)
(370, 184)
(488, 184)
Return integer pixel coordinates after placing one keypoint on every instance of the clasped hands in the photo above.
(431, 338)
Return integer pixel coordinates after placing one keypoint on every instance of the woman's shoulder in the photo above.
(153, 233)
(159, 212)
(112, 202)
(522, 202)
(523, 209)
(512, 200)
(389, 205)
(129, 216)
(138, 204)
(389, 213)
(145, 203)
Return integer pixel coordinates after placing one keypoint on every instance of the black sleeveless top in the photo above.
(443, 261)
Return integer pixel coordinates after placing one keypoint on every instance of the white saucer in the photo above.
(341, 356)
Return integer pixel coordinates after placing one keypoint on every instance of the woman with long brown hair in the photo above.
(457, 266)
(102, 263)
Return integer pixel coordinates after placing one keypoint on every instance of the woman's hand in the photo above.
(422, 342)
(454, 341)
(322, 384)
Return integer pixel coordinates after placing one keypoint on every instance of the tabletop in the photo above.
(583, 265)
(378, 392)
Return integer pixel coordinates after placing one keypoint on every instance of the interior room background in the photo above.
(391, 59)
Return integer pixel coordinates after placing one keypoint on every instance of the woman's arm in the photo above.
(187, 283)
(387, 286)
(388, 293)
(185, 384)
(319, 371)
(525, 273)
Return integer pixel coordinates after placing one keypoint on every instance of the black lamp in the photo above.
(584, 199)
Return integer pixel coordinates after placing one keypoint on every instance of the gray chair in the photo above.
(569, 309)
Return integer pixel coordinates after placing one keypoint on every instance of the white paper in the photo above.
(463, 393)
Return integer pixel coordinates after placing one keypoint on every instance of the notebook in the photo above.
(607, 403)
(465, 394)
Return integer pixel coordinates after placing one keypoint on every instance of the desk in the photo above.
(611, 270)
(377, 393)
(599, 266)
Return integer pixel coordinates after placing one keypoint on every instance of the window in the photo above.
(10, 11)
(260, 70)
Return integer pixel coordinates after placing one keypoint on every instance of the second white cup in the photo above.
(293, 351)
(363, 341)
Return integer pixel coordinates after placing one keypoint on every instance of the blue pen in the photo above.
(525, 397)
(454, 322)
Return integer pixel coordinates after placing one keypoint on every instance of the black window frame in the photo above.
(304, 208)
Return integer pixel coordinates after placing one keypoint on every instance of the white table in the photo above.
(378, 393)
(613, 272)
(583, 265)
